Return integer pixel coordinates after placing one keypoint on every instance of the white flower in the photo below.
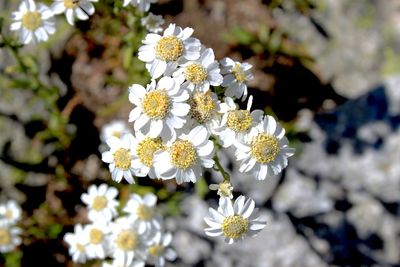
(234, 222)
(10, 212)
(265, 150)
(160, 109)
(120, 158)
(34, 23)
(224, 188)
(116, 263)
(163, 53)
(81, 9)
(237, 74)
(143, 148)
(77, 243)
(236, 124)
(101, 202)
(142, 5)
(142, 211)
(153, 23)
(159, 250)
(97, 235)
(201, 73)
(185, 157)
(115, 128)
(126, 243)
(9, 236)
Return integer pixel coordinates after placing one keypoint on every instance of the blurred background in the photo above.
(328, 70)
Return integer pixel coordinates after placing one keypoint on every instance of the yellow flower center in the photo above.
(264, 148)
(239, 120)
(31, 20)
(146, 148)
(169, 48)
(8, 214)
(238, 72)
(71, 3)
(156, 250)
(122, 159)
(144, 212)
(183, 154)
(202, 106)
(99, 203)
(117, 134)
(225, 189)
(235, 226)
(80, 248)
(156, 104)
(96, 236)
(5, 237)
(195, 73)
(127, 240)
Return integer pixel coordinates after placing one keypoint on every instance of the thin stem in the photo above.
(221, 169)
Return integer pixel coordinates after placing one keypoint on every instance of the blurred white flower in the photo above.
(98, 238)
(9, 236)
(162, 54)
(120, 158)
(142, 211)
(81, 9)
(77, 243)
(34, 23)
(142, 5)
(115, 128)
(10, 212)
(160, 108)
(234, 222)
(184, 158)
(265, 150)
(159, 250)
(237, 75)
(101, 202)
(153, 23)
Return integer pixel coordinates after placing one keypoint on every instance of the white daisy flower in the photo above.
(237, 75)
(234, 222)
(115, 128)
(224, 189)
(185, 157)
(142, 211)
(134, 263)
(10, 212)
(101, 202)
(162, 54)
(236, 123)
(142, 5)
(159, 250)
(201, 73)
(126, 243)
(120, 158)
(265, 150)
(9, 236)
(160, 108)
(77, 243)
(81, 9)
(97, 235)
(153, 23)
(143, 148)
(35, 23)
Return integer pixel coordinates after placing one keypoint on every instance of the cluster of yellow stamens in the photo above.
(183, 154)
(202, 106)
(5, 237)
(156, 250)
(96, 236)
(169, 48)
(195, 73)
(264, 148)
(239, 73)
(127, 240)
(31, 20)
(155, 104)
(144, 212)
(99, 203)
(239, 120)
(122, 159)
(235, 226)
(146, 148)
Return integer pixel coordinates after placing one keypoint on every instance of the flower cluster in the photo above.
(35, 22)
(10, 214)
(180, 121)
(133, 238)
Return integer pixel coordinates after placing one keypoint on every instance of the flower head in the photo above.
(101, 202)
(142, 5)
(153, 23)
(234, 222)
(10, 212)
(35, 23)
(159, 250)
(81, 9)
(237, 75)
(224, 189)
(77, 243)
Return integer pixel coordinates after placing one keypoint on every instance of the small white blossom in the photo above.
(101, 202)
(10, 212)
(153, 23)
(115, 128)
(81, 9)
(98, 239)
(224, 188)
(142, 5)
(9, 237)
(160, 250)
(77, 243)
(237, 75)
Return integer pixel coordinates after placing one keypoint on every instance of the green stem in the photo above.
(221, 169)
